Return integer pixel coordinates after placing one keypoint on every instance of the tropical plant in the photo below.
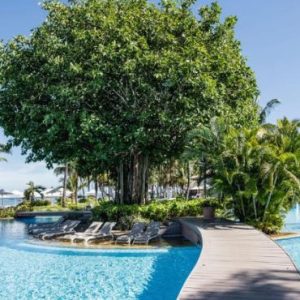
(59, 170)
(32, 189)
(265, 111)
(259, 171)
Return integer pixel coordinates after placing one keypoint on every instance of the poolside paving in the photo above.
(238, 262)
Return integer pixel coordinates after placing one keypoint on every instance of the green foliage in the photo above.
(258, 169)
(41, 203)
(83, 200)
(156, 210)
(100, 81)
(211, 203)
(25, 206)
(67, 201)
(33, 189)
(7, 212)
(271, 225)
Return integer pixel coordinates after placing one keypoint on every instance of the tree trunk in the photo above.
(189, 181)
(96, 189)
(140, 163)
(121, 183)
(83, 191)
(205, 179)
(63, 200)
(269, 198)
(102, 190)
(76, 192)
(132, 180)
(152, 192)
(254, 207)
(242, 205)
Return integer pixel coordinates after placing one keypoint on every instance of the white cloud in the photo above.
(16, 176)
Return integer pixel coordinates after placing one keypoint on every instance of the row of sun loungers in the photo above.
(137, 235)
(65, 230)
(67, 227)
(33, 228)
(94, 232)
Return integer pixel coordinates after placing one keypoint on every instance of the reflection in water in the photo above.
(30, 272)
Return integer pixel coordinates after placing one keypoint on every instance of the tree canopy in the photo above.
(119, 84)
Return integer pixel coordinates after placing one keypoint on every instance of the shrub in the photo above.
(126, 215)
(67, 201)
(271, 225)
(41, 203)
(24, 206)
(83, 200)
(73, 206)
(8, 212)
(210, 203)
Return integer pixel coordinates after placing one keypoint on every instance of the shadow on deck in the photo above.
(238, 262)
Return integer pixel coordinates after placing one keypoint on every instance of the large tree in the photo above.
(118, 85)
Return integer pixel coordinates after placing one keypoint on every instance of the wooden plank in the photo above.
(238, 262)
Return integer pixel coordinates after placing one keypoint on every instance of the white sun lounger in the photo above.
(103, 233)
(92, 229)
(35, 228)
(65, 229)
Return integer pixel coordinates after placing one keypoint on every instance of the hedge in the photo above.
(162, 211)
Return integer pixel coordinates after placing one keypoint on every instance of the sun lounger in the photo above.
(151, 233)
(137, 229)
(65, 229)
(55, 226)
(103, 233)
(92, 229)
(44, 226)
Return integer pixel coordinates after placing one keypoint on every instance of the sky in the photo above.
(269, 35)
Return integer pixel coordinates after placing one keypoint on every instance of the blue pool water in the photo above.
(31, 271)
(292, 220)
(292, 247)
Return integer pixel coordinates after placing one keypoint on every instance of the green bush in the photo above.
(8, 212)
(41, 203)
(83, 200)
(75, 207)
(24, 206)
(67, 201)
(272, 224)
(162, 211)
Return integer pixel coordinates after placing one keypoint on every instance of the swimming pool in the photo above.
(292, 220)
(31, 271)
(292, 247)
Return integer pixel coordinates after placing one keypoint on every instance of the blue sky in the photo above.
(268, 31)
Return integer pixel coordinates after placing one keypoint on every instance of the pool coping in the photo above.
(286, 237)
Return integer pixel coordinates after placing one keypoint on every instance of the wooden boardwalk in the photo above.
(238, 262)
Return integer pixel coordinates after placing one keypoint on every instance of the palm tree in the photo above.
(59, 171)
(283, 161)
(205, 144)
(267, 109)
(29, 193)
(70, 179)
(259, 170)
